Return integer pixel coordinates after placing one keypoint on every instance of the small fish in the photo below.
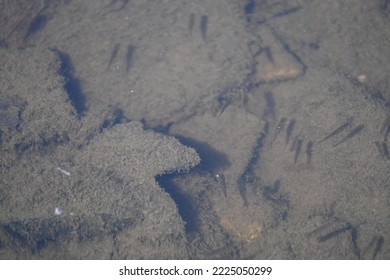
(294, 143)
(378, 246)
(353, 133)
(279, 127)
(269, 98)
(129, 57)
(333, 234)
(286, 12)
(114, 53)
(309, 151)
(223, 102)
(242, 191)
(384, 6)
(298, 150)
(385, 150)
(337, 131)
(290, 129)
(203, 26)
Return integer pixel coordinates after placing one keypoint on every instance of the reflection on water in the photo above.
(218, 129)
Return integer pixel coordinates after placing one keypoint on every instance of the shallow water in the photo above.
(286, 103)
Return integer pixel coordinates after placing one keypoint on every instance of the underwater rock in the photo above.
(72, 175)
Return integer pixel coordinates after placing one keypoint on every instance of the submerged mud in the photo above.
(208, 130)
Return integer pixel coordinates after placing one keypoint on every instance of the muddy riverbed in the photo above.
(181, 130)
